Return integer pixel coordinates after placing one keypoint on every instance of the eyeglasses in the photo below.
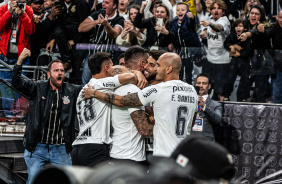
(252, 1)
(253, 13)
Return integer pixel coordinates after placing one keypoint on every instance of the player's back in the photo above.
(174, 104)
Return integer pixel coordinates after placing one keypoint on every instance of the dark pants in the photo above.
(218, 74)
(261, 87)
(238, 66)
(186, 71)
(90, 154)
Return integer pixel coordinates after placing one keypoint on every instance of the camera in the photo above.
(20, 4)
(103, 12)
(57, 3)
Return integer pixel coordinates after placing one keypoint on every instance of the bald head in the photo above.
(174, 60)
(168, 67)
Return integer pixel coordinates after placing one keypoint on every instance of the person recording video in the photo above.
(16, 25)
(209, 111)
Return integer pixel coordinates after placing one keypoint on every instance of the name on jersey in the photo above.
(153, 90)
(182, 98)
(109, 84)
(182, 88)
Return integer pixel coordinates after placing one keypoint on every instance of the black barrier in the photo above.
(253, 134)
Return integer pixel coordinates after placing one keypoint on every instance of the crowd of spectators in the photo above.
(192, 29)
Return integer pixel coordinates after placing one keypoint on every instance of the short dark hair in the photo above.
(132, 53)
(121, 56)
(203, 75)
(156, 53)
(96, 60)
(181, 3)
(54, 61)
(115, 2)
(240, 20)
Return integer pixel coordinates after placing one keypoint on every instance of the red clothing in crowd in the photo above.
(26, 27)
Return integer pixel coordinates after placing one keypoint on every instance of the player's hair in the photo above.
(96, 61)
(121, 56)
(115, 2)
(221, 4)
(134, 53)
(54, 61)
(156, 53)
(203, 75)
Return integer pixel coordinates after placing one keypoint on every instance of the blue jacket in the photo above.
(188, 36)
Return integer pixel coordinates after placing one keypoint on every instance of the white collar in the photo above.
(205, 97)
(113, 16)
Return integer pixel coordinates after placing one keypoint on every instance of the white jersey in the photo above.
(127, 142)
(174, 104)
(94, 116)
(217, 54)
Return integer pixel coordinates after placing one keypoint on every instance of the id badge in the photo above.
(198, 126)
(14, 36)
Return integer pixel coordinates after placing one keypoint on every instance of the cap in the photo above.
(37, 1)
(204, 159)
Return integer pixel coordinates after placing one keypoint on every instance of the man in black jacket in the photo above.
(51, 118)
(44, 26)
(67, 35)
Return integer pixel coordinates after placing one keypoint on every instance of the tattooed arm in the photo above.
(118, 69)
(140, 120)
(215, 27)
(127, 100)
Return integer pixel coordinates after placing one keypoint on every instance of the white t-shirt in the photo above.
(217, 54)
(127, 142)
(174, 104)
(94, 116)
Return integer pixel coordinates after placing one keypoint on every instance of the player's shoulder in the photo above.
(127, 89)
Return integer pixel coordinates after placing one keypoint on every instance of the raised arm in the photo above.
(199, 7)
(21, 83)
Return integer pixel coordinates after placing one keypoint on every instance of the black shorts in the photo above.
(90, 154)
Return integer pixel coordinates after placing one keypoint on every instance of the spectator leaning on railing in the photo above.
(185, 36)
(104, 29)
(66, 33)
(158, 33)
(44, 24)
(16, 25)
(217, 65)
(131, 35)
(240, 53)
(262, 61)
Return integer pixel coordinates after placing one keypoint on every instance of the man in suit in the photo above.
(209, 111)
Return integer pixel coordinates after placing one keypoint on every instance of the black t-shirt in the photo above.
(98, 33)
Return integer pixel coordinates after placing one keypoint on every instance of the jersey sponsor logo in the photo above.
(214, 37)
(66, 100)
(109, 84)
(182, 88)
(153, 90)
